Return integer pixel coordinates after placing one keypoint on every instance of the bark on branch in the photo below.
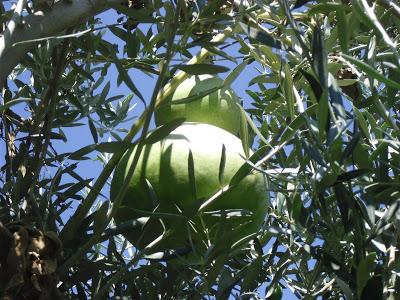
(62, 15)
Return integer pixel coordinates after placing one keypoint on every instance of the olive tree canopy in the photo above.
(320, 108)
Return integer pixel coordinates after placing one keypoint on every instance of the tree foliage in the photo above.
(323, 111)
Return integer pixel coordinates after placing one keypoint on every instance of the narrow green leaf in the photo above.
(245, 169)
(300, 3)
(297, 123)
(320, 57)
(342, 29)
(221, 172)
(109, 147)
(253, 127)
(350, 175)
(127, 79)
(336, 100)
(81, 71)
(161, 132)
(261, 36)
(136, 14)
(373, 289)
(365, 267)
(234, 74)
(361, 156)
(362, 123)
(56, 37)
(132, 44)
(277, 277)
(388, 216)
(113, 147)
(191, 174)
(211, 8)
(251, 274)
(226, 283)
(195, 97)
(198, 69)
(73, 190)
(380, 148)
(345, 288)
(367, 15)
(216, 266)
(93, 131)
(326, 8)
(323, 118)
(297, 30)
(313, 152)
(367, 211)
(276, 293)
(221, 53)
(299, 213)
(371, 71)
(288, 89)
(58, 136)
(264, 78)
(151, 193)
(348, 151)
(273, 60)
(9, 104)
(104, 93)
(315, 85)
(118, 32)
(169, 26)
(100, 218)
(371, 53)
(244, 132)
(345, 203)
(80, 154)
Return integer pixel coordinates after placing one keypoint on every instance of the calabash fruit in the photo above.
(216, 108)
(176, 175)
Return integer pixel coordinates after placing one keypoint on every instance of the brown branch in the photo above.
(47, 111)
(41, 24)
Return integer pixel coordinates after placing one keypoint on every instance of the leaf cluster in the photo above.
(323, 111)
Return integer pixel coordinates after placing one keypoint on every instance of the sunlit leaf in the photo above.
(161, 132)
(370, 71)
(261, 36)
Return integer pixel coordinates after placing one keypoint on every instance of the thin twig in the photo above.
(326, 287)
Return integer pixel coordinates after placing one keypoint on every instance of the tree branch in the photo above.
(62, 15)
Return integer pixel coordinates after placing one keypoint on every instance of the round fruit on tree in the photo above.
(178, 174)
(198, 99)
